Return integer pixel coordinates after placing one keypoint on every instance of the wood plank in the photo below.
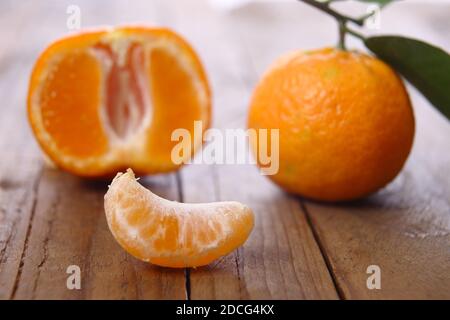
(19, 176)
(404, 228)
(281, 259)
(17, 201)
(69, 228)
(50, 219)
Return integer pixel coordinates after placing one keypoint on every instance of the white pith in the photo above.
(134, 125)
(122, 149)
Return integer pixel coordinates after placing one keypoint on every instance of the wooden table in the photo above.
(298, 249)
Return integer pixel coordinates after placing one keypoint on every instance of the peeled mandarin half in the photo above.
(101, 101)
(169, 233)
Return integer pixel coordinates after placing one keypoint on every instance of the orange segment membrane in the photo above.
(126, 95)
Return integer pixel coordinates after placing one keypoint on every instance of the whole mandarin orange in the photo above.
(345, 119)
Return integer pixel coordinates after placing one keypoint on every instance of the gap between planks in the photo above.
(324, 253)
(27, 237)
(187, 271)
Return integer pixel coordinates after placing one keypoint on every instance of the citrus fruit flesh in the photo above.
(345, 121)
(169, 233)
(103, 100)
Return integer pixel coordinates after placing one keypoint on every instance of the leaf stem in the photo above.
(342, 32)
(342, 20)
(339, 16)
(355, 34)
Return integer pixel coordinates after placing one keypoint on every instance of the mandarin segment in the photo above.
(72, 92)
(174, 103)
(170, 233)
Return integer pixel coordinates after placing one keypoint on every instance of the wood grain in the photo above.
(20, 171)
(405, 227)
(51, 220)
(281, 259)
(298, 250)
(69, 228)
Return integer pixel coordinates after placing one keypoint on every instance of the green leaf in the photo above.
(380, 2)
(425, 66)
